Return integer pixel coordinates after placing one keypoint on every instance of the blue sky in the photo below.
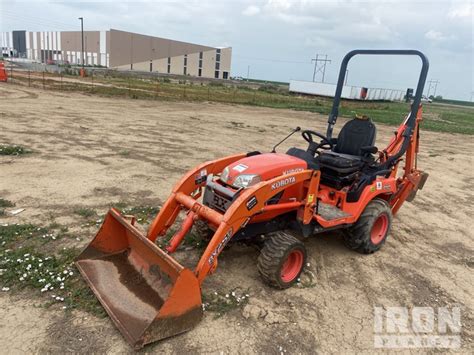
(278, 38)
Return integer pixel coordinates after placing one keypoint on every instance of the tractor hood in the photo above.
(265, 166)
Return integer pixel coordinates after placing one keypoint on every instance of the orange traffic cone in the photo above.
(3, 72)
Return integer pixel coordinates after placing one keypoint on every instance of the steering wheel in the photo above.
(313, 147)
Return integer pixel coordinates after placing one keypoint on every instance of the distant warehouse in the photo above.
(119, 50)
(348, 92)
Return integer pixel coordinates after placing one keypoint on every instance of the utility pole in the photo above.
(82, 41)
(248, 72)
(320, 65)
(432, 84)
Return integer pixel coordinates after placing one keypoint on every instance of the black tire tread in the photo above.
(357, 237)
(272, 255)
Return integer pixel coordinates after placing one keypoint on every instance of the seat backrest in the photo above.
(354, 135)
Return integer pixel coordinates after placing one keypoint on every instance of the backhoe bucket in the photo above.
(148, 294)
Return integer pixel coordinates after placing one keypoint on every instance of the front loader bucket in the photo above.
(148, 294)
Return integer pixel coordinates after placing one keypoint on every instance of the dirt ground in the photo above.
(91, 151)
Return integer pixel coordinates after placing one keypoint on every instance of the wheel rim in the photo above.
(379, 229)
(292, 266)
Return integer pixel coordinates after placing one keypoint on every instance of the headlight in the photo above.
(225, 174)
(246, 180)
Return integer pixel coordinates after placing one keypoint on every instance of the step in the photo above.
(330, 212)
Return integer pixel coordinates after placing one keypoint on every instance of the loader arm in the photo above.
(192, 182)
(250, 203)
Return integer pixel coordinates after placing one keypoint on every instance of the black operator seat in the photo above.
(351, 149)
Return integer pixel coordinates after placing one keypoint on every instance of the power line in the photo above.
(320, 68)
(432, 84)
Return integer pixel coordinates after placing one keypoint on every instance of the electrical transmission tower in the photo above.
(432, 84)
(320, 65)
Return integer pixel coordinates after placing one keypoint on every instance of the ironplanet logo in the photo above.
(284, 182)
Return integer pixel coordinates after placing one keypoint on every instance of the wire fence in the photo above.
(107, 84)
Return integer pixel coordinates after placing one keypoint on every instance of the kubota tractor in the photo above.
(335, 183)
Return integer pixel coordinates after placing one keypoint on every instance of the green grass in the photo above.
(437, 117)
(220, 304)
(85, 212)
(25, 264)
(5, 203)
(13, 150)
(143, 214)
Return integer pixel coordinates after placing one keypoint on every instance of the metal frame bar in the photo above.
(419, 89)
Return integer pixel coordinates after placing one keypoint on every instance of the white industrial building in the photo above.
(348, 92)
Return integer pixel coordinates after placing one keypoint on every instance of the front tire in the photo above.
(281, 260)
(370, 232)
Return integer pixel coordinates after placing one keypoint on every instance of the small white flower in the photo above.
(5, 289)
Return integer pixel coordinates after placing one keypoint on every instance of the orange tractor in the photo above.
(336, 183)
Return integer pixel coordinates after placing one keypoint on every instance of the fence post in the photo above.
(254, 95)
(29, 79)
(233, 96)
(208, 92)
(129, 88)
(184, 91)
(61, 75)
(157, 88)
(43, 79)
(11, 72)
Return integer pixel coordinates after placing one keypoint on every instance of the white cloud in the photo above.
(251, 10)
(437, 36)
(461, 10)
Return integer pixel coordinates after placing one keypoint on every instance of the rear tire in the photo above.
(370, 232)
(281, 260)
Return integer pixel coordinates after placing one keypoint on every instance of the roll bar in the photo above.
(419, 89)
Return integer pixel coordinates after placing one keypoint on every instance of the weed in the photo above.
(13, 150)
(6, 203)
(23, 266)
(85, 212)
(142, 213)
(194, 240)
(221, 304)
(124, 153)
